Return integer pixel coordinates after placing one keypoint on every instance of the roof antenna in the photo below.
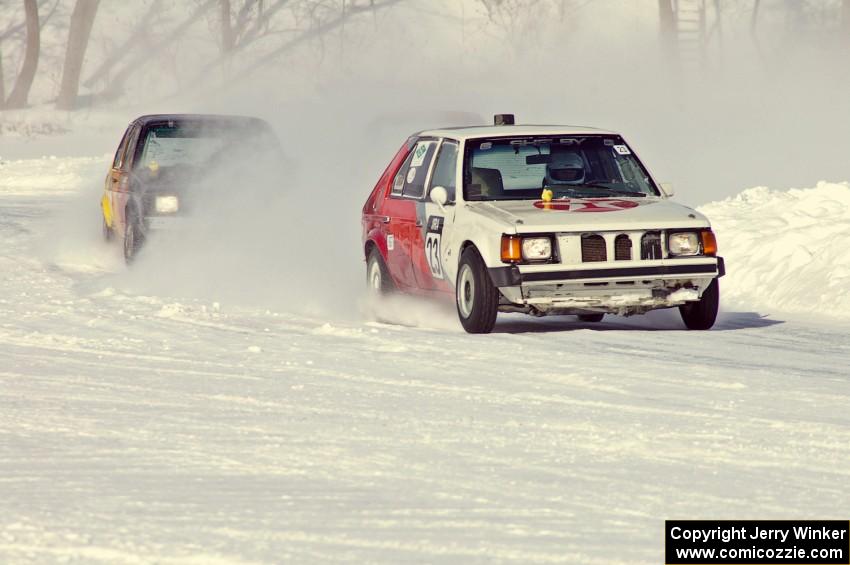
(503, 120)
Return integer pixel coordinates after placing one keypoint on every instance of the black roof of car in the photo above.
(153, 118)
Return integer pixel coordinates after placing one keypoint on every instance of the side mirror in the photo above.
(439, 196)
(667, 189)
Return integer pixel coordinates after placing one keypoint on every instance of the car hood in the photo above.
(590, 214)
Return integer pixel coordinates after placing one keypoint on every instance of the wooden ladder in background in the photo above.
(690, 33)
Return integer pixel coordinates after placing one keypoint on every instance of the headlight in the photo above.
(683, 243)
(167, 204)
(536, 248)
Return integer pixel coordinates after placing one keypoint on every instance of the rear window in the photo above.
(411, 177)
(202, 144)
(177, 145)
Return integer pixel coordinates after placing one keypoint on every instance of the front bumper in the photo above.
(702, 267)
(631, 287)
(166, 223)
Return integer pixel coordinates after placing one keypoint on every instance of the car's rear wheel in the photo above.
(591, 317)
(701, 314)
(133, 237)
(476, 296)
(377, 276)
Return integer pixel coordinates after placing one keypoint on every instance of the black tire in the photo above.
(591, 318)
(134, 238)
(476, 297)
(701, 314)
(378, 278)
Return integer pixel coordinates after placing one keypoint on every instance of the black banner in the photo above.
(757, 542)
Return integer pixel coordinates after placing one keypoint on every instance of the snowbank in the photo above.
(51, 175)
(786, 250)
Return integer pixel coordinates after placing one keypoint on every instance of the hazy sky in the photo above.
(765, 108)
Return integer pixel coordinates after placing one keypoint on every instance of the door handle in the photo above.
(418, 223)
(386, 219)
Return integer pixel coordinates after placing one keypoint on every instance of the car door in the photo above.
(435, 223)
(402, 225)
(107, 201)
(118, 180)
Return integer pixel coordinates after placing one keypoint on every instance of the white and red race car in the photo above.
(536, 219)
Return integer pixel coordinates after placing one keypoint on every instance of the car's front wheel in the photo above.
(701, 314)
(377, 276)
(133, 237)
(476, 296)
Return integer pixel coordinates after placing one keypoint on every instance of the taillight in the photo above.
(511, 249)
(709, 243)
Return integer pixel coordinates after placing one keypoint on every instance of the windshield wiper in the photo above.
(604, 186)
(591, 191)
(616, 192)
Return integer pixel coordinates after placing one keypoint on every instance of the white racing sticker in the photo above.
(622, 150)
(390, 242)
(419, 155)
(411, 174)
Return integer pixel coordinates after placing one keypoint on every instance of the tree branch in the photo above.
(319, 30)
(124, 49)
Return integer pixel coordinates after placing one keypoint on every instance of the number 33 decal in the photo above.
(432, 245)
(432, 253)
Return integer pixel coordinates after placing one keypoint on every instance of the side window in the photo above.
(398, 181)
(122, 148)
(445, 168)
(410, 180)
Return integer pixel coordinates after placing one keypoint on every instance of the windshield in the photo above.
(570, 166)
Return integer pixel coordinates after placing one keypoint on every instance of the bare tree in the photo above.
(117, 54)
(140, 57)
(20, 93)
(82, 20)
(316, 31)
(244, 17)
(2, 81)
(754, 18)
(227, 41)
(845, 18)
(667, 26)
(521, 23)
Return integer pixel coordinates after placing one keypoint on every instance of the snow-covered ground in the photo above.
(140, 427)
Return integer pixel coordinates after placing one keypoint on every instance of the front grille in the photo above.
(650, 245)
(593, 248)
(622, 248)
(600, 247)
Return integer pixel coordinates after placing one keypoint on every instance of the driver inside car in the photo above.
(565, 166)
